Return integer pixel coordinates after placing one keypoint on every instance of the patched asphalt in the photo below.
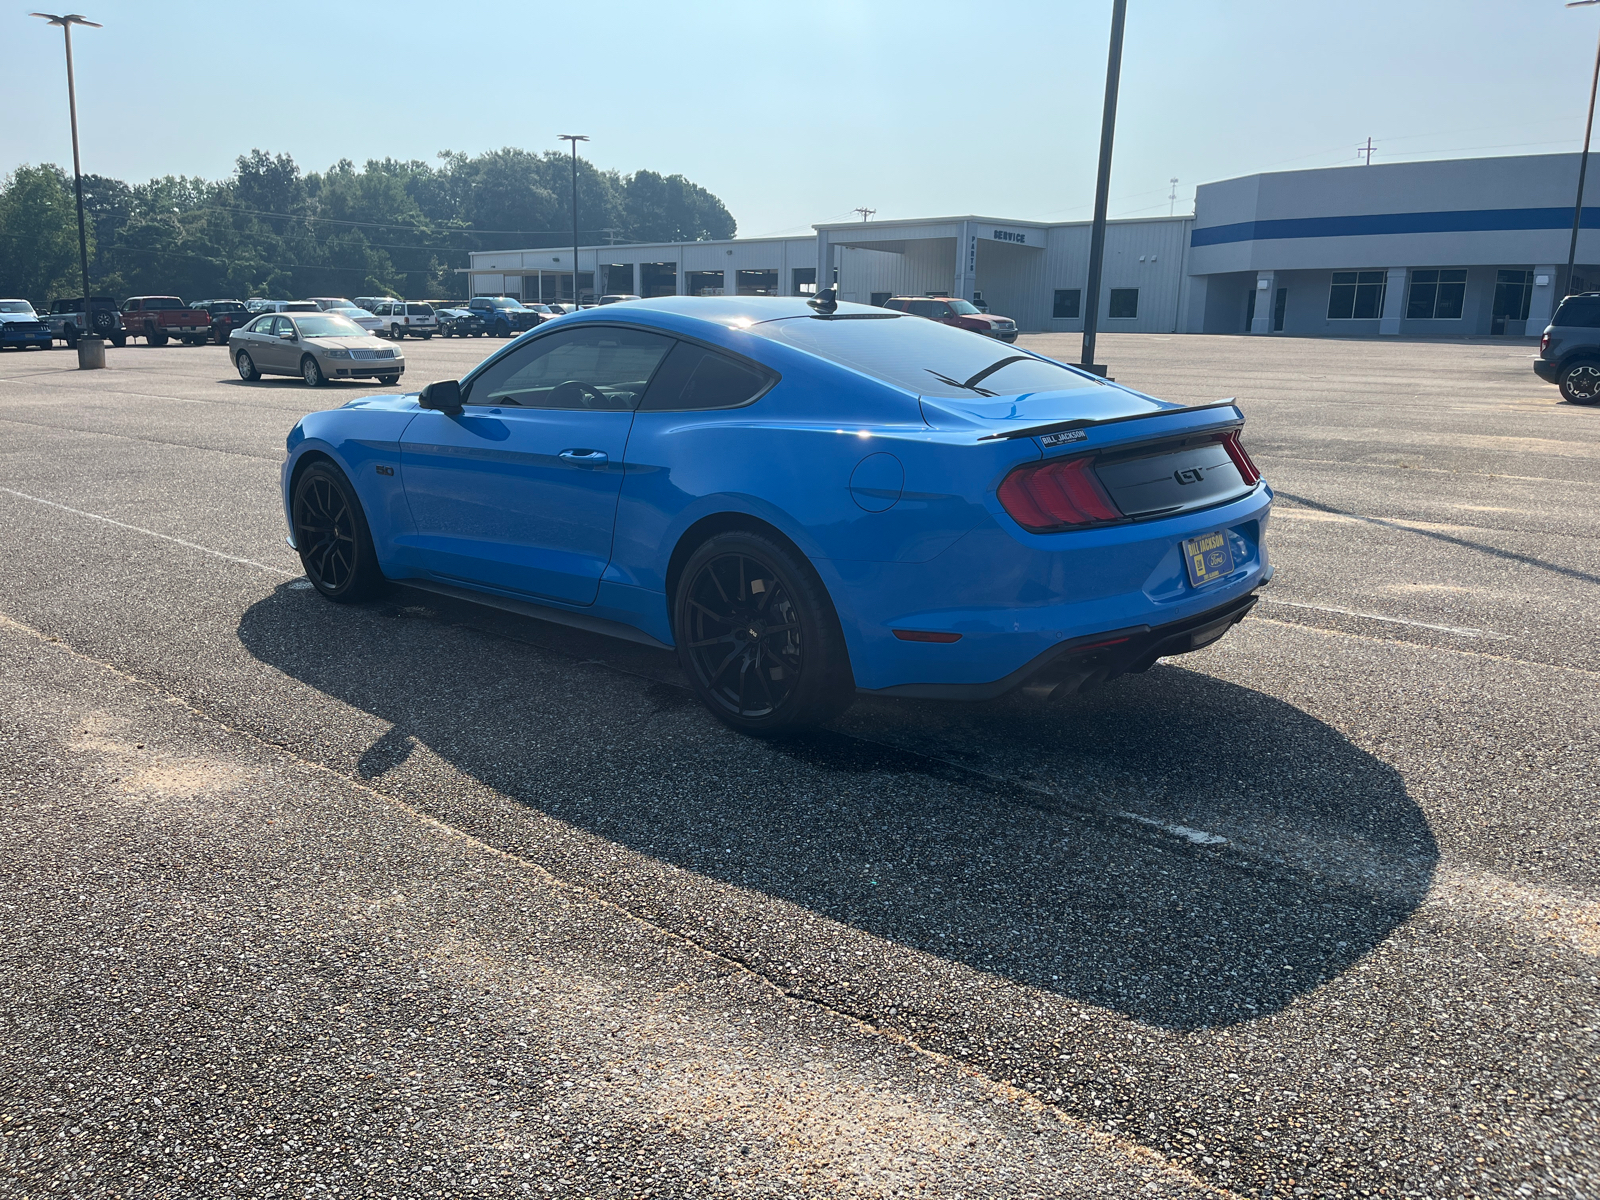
(1311, 912)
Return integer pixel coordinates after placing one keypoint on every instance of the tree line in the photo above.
(399, 228)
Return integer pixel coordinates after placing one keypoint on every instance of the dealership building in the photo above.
(1466, 247)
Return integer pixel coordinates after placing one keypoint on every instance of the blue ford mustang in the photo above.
(807, 499)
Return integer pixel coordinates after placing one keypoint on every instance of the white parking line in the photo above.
(1350, 612)
(165, 537)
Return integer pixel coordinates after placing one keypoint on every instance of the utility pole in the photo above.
(1365, 152)
(1583, 161)
(574, 138)
(865, 212)
(92, 356)
(1102, 190)
(1172, 200)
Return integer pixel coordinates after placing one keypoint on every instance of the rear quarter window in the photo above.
(1579, 312)
(693, 379)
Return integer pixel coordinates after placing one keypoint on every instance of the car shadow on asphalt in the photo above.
(1053, 847)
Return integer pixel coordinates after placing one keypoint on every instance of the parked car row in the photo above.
(159, 319)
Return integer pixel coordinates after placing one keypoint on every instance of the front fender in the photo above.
(365, 445)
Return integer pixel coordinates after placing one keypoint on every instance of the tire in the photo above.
(388, 380)
(157, 338)
(247, 367)
(425, 336)
(221, 335)
(70, 336)
(502, 330)
(118, 340)
(395, 333)
(1580, 383)
(311, 372)
(331, 533)
(781, 677)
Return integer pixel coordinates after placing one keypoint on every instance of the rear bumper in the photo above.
(1093, 658)
(1016, 600)
(1545, 370)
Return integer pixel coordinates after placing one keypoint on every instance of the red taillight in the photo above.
(1056, 495)
(1247, 469)
(1544, 343)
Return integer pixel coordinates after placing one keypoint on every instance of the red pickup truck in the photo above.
(157, 318)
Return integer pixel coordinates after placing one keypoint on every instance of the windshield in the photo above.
(328, 325)
(352, 312)
(503, 302)
(965, 308)
(16, 306)
(334, 302)
(923, 356)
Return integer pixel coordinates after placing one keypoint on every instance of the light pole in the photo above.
(1102, 188)
(96, 355)
(1583, 160)
(574, 138)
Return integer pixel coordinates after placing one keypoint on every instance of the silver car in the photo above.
(318, 347)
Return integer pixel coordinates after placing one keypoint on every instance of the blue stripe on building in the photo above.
(1462, 221)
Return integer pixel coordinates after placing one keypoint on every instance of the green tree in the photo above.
(670, 208)
(38, 235)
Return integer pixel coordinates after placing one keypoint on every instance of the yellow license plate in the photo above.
(1209, 557)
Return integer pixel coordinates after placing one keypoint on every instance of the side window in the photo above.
(131, 306)
(942, 310)
(280, 325)
(924, 308)
(696, 378)
(600, 367)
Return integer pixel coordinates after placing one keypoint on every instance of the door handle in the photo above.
(584, 458)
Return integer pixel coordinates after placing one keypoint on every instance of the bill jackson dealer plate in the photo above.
(1209, 557)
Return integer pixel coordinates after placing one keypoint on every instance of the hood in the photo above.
(385, 401)
(1000, 414)
(349, 343)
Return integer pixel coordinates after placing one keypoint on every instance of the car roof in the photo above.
(708, 315)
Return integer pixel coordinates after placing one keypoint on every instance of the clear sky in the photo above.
(795, 113)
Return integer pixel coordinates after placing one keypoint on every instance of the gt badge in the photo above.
(383, 470)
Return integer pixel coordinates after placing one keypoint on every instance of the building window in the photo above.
(1357, 295)
(805, 280)
(1436, 295)
(1124, 304)
(1067, 304)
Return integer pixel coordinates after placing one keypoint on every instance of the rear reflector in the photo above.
(1247, 469)
(1056, 495)
(925, 635)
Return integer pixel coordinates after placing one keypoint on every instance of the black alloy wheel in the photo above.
(330, 532)
(758, 637)
(1580, 383)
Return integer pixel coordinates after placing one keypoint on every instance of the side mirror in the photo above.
(288, 336)
(443, 396)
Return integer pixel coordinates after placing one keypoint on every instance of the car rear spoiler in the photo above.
(1086, 422)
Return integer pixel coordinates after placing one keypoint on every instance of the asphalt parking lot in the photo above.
(421, 898)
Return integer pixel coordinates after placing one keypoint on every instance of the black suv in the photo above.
(1569, 351)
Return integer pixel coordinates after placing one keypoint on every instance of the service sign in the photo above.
(1011, 235)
